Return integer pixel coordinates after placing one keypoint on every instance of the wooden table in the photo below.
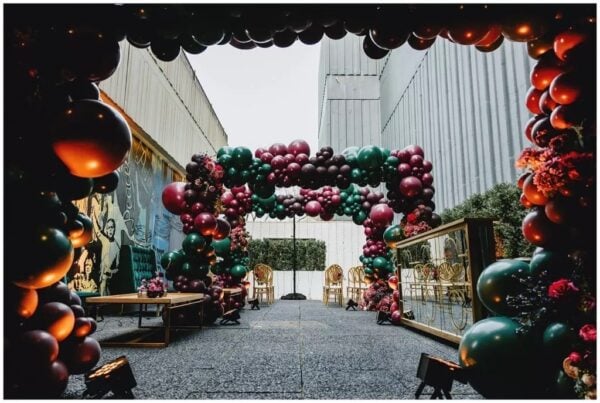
(171, 301)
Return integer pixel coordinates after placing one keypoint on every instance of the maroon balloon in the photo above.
(416, 161)
(266, 157)
(38, 347)
(404, 155)
(313, 208)
(81, 356)
(223, 229)
(172, 197)
(414, 150)
(404, 169)
(427, 166)
(427, 179)
(410, 186)
(205, 223)
(299, 147)
(396, 317)
(259, 152)
(381, 214)
(278, 162)
(227, 197)
(539, 230)
(278, 149)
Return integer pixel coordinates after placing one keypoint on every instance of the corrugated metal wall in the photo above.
(167, 102)
(466, 109)
(348, 95)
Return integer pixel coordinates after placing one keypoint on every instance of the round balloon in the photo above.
(499, 280)
(172, 197)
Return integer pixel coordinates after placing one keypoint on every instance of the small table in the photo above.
(171, 301)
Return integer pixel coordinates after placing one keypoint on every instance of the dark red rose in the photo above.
(588, 333)
(562, 288)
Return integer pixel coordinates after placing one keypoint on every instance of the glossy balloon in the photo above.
(173, 197)
(538, 230)
(57, 319)
(499, 280)
(532, 193)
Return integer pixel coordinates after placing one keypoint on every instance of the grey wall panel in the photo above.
(167, 102)
(466, 108)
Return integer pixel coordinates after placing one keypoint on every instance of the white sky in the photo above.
(262, 96)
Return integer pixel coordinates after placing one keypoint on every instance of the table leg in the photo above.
(167, 325)
(140, 317)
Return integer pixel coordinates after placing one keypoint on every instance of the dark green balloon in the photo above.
(356, 175)
(558, 341)
(556, 264)
(172, 261)
(496, 282)
(193, 244)
(349, 151)
(385, 152)
(500, 361)
(368, 271)
(238, 271)
(198, 271)
(242, 157)
(370, 158)
(564, 387)
(222, 247)
(264, 190)
(392, 235)
(188, 268)
(225, 160)
(380, 263)
(224, 150)
(359, 217)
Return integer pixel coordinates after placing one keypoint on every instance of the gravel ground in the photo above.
(290, 350)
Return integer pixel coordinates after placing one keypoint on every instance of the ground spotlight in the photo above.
(439, 373)
(115, 376)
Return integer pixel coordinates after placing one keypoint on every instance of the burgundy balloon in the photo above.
(82, 356)
(205, 223)
(427, 179)
(172, 197)
(427, 166)
(278, 162)
(266, 157)
(381, 214)
(416, 160)
(414, 150)
(539, 230)
(278, 149)
(313, 208)
(259, 152)
(38, 347)
(410, 186)
(404, 169)
(299, 147)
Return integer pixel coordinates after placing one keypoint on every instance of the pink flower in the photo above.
(562, 288)
(588, 333)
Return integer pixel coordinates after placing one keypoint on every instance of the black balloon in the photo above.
(372, 50)
(165, 50)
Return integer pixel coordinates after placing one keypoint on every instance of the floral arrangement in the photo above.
(155, 287)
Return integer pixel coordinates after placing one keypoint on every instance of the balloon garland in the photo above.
(213, 216)
(549, 304)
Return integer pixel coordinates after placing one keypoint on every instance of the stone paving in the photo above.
(290, 350)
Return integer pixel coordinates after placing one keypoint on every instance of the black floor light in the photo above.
(438, 373)
(115, 376)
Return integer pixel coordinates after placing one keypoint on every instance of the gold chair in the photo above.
(334, 282)
(361, 284)
(351, 290)
(263, 283)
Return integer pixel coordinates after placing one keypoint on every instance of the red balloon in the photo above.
(396, 317)
(560, 210)
(525, 202)
(566, 41)
(298, 147)
(83, 327)
(538, 47)
(172, 197)
(427, 179)
(532, 193)
(522, 178)
(410, 186)
(227, 197)
(530, 123)
(521, 30)
(22, 301)
(381, 214)
(313, 208)
(538, 230)
(205, 223)
(414, 149)
(259, 152)
(533, 101)
(91, 138)
(393, 282)
(547, 104)
(566, 88)
(38, 348)
(325, 216)
(223, 229)
(544, 71)
(491, 47)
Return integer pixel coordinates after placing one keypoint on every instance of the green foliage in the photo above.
(278, 253)
(500, 203)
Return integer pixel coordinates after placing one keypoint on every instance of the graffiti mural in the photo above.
(131, 215)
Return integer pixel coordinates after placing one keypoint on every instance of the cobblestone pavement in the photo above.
(290, 350)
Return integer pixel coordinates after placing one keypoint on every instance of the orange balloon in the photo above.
(567, 40)
(566, 88)
(566, 116)
(533, 100)
(521, 29)
(491, 47)
(468, 34)
(57, 319)
(82, 327)
(532, 193)
(530, 123)
(538, 230)
(522, 178)
(26, 301)
(525, 202)
(538, 47)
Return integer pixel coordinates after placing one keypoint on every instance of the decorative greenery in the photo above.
(278, 253)
(502, 204)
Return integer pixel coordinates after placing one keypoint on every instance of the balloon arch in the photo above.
(217, 196)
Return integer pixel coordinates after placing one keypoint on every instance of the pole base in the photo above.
(294, 296)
